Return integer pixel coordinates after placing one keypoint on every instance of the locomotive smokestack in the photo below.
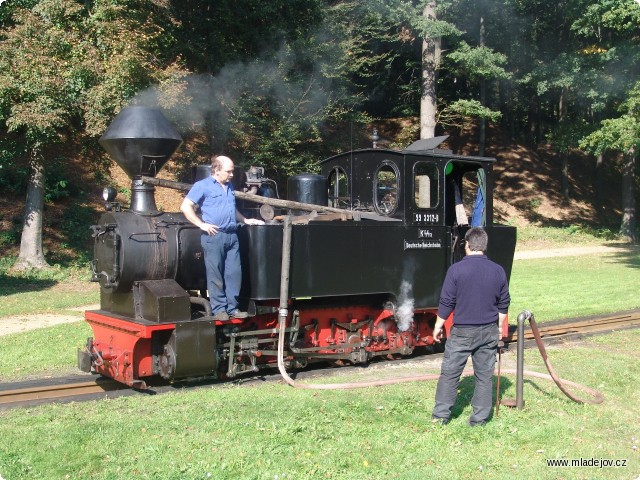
(141, 140)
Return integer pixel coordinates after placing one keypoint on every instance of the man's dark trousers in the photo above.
(481, 342)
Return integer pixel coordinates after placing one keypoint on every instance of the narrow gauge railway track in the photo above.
(562, 329)
(72, 389)
(46, 391)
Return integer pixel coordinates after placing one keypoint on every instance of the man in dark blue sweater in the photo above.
(476, 290)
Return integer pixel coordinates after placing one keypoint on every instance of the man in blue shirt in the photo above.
(219, 223)
(477, 291)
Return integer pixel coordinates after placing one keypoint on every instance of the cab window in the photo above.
(425, 185)
(338, 189)
(386, 186)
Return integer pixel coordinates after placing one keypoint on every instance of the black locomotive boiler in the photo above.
(367, 245)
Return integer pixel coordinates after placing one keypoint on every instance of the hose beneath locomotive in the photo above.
(283, 313)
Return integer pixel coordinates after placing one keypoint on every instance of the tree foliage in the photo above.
(65, 68)
(463, 113)
(287, 82)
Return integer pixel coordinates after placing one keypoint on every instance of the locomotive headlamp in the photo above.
(109, 194)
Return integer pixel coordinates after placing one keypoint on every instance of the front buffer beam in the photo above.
(130, 351)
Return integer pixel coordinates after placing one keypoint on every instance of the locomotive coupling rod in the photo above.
(276, 202)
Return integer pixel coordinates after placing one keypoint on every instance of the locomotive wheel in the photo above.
(167, 363)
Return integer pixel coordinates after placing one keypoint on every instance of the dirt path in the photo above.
(574, 251)
(24, 323)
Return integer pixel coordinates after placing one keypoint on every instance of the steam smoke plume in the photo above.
(404, 313)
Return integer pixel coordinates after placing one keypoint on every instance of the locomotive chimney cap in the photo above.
(141, 140)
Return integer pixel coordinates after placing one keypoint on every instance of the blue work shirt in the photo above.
(217, 204)
(476, 289)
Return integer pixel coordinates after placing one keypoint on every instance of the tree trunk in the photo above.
(31, 254)
(599, 184)
(628, 226)
(564, 167)
(430, 61)
(483, 97)
(564, 174)
(531, 123)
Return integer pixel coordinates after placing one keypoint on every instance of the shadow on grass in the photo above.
(10, 285)
(626, 254)
(466, 387)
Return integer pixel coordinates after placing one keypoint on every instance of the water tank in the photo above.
(308, 188)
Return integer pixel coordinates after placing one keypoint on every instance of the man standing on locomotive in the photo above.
(477, 291)
(219, 223)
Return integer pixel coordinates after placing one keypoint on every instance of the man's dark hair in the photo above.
(477, 239)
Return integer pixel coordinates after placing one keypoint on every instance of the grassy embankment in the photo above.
(274, 431)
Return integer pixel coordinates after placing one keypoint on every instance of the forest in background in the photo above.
(285, 83)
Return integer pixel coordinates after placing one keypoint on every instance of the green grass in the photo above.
(50, 300)
(533, 237)
(44, 291)
(565, 287)
(275, 431)
(42, 352)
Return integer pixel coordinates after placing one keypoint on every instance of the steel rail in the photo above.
(580, 326)
(52, 392)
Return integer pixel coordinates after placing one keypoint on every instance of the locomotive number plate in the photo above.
(427, 218)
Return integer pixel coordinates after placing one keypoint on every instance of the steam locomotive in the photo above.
(350, 265)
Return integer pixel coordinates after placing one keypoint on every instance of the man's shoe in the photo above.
(238, 314)
(221, 315)
(440, 421)
(477, 424)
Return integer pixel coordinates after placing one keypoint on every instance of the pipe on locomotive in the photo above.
(276, 202)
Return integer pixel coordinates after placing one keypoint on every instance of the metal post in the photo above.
(524, 316)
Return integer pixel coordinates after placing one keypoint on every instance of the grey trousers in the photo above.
(481, 343)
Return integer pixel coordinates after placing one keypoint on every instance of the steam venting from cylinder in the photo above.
(141, 140)
(404, 312)
(406, 302)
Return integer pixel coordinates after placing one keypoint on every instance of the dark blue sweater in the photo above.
(476, 289)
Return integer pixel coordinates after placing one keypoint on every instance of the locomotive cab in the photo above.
(438, 196)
